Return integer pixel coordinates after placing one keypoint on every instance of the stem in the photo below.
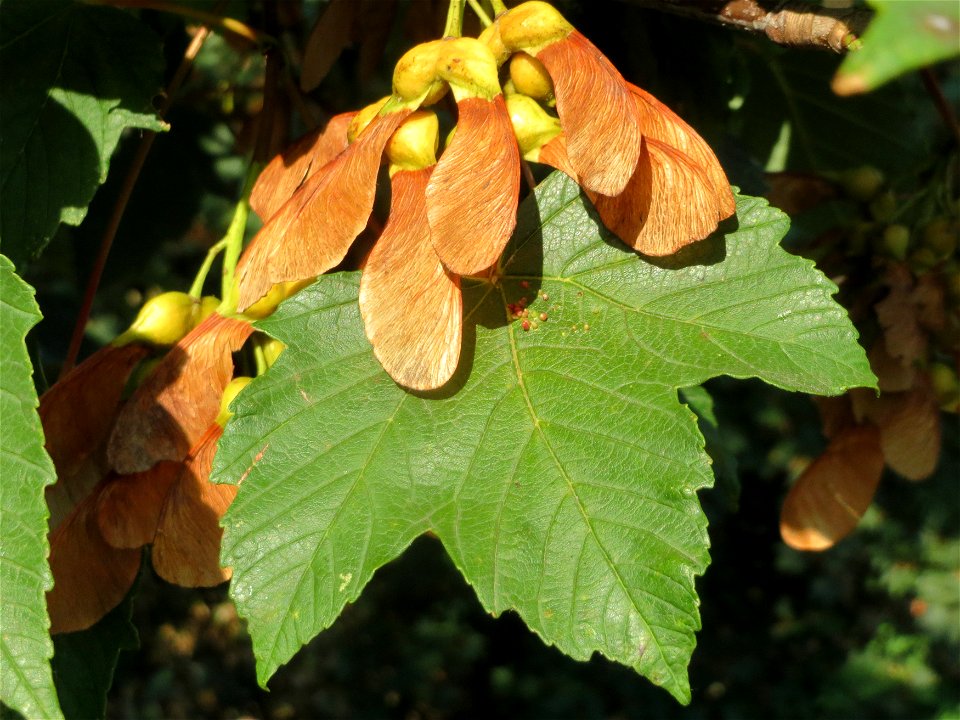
(498, 7)
(478, 11)
(941, 103)
(196, 290)
(231, 25)
(454, 27)
(96, 272)
(794, 23)
(233, 243)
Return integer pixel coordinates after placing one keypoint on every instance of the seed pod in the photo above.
(530, 77)
(229, 395)
(162, 320)
(532, 126)
(415, 74)
(413, 145)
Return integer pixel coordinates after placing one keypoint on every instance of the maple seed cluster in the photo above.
(654, 181)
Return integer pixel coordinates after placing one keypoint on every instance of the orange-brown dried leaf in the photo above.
(129, 506)
(897, 313)
(892, 374)
(412, 307)
(596, 111)
(659, 122)
(175, 405)
(78, 412)
(668, 204)
(313, 231)
(294, 166)
(829, 498)
(554, 154)
(909, 423)
(473, 192)
(90, 577)
(186, 550)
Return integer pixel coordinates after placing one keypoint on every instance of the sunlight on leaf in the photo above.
(558, 467)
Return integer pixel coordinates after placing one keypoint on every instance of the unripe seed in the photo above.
(278, 293)
(415, 74)
(470, 68)
(896, 240)
(884, 206)
(532, 125)
(163, 320)
(413, 146)
(530, 77)
(863, 183)
(272, 348)
(364, 118)
(940, 236)
(229, 395)
(945, 385)
(532, 26)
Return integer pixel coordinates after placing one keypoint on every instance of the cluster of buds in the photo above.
(132, 433)
(653, 180)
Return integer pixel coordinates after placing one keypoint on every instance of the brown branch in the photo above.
(106, 242)
(797, 24)
(941, 103)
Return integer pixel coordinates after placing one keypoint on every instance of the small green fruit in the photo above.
(896, 241)
(863, 183)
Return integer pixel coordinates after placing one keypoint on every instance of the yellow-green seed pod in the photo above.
(413, 146)
(532, 26)
(163, 320)
(532, 125)
(530, 77)
(364, 118)
(272, 348)
(415, 74)
(278, 293)
(491, 38)
(208, 305)
(229, 395)
(469, 67)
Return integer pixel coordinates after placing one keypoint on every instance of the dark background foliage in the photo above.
(867, 629)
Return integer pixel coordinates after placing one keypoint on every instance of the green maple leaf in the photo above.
(26, 684)
(74, 78)
(558, 467)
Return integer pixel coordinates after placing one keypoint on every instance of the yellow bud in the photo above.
(278, 293)
(162, 320)
(413, 146)
(532, 26)
(364, 118)
(470, 68)
(531, 123)
(530, 77)
(415, 74)
(272, 349)
(229, 395)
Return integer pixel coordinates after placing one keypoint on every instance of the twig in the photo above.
(797, 24)
(93, 282)
(940, 101)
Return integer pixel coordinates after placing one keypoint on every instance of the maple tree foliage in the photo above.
(413, 336)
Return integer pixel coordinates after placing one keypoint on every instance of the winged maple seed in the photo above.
(99, 517)
(654, 181)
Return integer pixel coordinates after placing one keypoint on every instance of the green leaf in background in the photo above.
(902, 36)
(558, 468)
(26, 684)
(791, 118)
(84, 661)
(74, 77)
